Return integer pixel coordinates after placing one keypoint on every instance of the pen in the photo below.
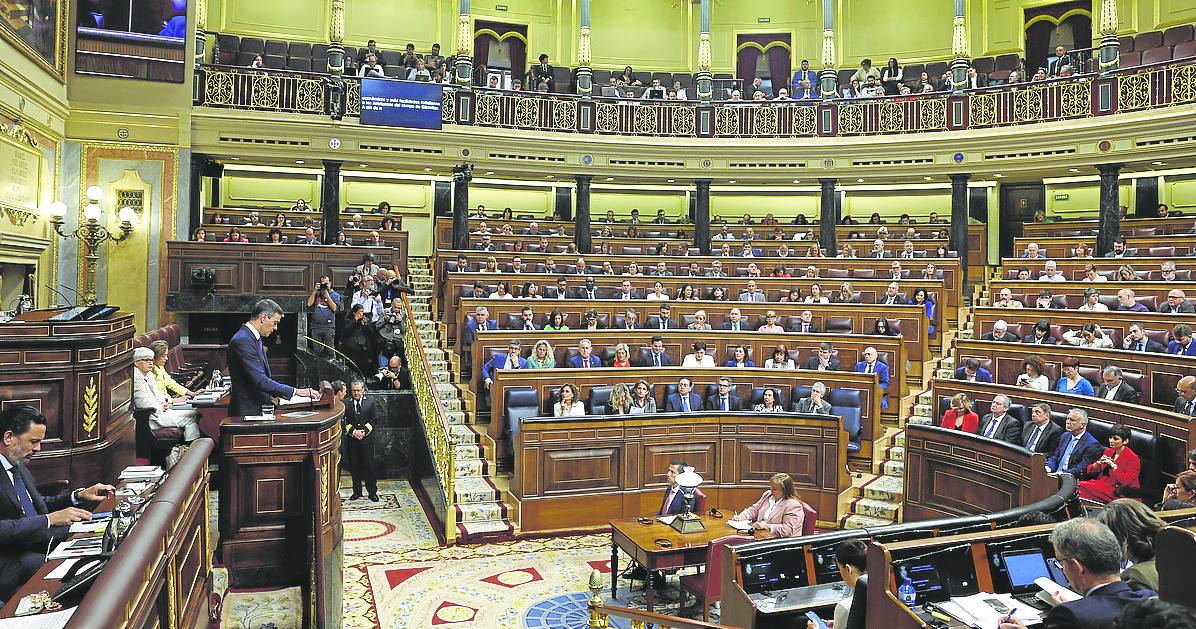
(1009, 617)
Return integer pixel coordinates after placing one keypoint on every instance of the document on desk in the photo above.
(81, 547)
(666, 519)
(980, 610)
(53, 620)
(740, 525)
(89, 526)
(298, 399)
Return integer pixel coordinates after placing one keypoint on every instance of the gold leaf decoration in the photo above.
(91, 407)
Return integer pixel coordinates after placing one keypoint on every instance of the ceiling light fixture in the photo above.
(859, 181)
(998, 175)
(670, 180)
(489, 172)
(298, 161)
(797, 181)
(1156, 163)
(1074, 170)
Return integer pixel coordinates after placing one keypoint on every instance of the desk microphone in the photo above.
(59, 293)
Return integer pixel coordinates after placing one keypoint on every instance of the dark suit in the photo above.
(833, 364)
(743, 325)
(576, 362)
(646, 359)
(471, 329)
(23, 537)
(674, 506)
(1184, 407)
(810, 327)
(714, 403)
(1048, 437)
(889, 301)
(1008, 337)
(590, 293)
(1055, 66)
(654, 323)
(1124, 393)
(625, 297)
(359, 453)
(982, 375)
(1046, 340)
(1009, 430)
(1173, 347)
(249, 376)
(673, 404)
(1097, 610)
(1086, 452)
(1150, 345)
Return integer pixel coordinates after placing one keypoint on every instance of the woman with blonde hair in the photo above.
(960, 416)
(620, 400)
(491, 265)
(700, 321)
(778, 513)
(542, 356)
(1126, 273)
(622, 356)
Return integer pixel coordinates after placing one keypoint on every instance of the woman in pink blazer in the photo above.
(779, 512)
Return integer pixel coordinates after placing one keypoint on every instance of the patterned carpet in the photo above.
(396, 576)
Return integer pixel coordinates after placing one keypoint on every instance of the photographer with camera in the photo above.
(394, 287)
(389, 377)
(369, 299)
(323, 304)
(358, 341)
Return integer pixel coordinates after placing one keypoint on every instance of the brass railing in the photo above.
(435, 422)
(601, 613)
(1080, 97)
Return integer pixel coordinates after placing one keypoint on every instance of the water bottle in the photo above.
(907, 594)
(216, 379)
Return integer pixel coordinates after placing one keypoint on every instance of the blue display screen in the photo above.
(408, 104)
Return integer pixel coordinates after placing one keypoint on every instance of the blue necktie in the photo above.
(724, 403)
(656, 358)
(18, 484)
(992, 427)
(685, 404)
(1066, 455)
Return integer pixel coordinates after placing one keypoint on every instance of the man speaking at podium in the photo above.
(248, 367)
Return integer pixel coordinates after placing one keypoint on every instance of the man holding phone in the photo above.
(28, 522)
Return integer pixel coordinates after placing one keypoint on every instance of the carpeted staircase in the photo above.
(480, 513)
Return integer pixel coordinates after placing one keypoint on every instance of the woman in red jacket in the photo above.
(960, 415)
(1117, 467)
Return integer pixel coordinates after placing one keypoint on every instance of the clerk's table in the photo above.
(642, 543)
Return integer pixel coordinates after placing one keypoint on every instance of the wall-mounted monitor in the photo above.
(407, 104)
(132, 39)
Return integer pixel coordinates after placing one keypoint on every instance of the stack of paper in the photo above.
(81, 547)
(146, 473)
(53, 620)
(740, 525)
(981, 610)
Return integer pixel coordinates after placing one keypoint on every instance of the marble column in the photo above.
(1110, 216)
(330, 201)
(585, 75)
(828, 217)
(581, 217)
(959, 219)
(702, 216)
(828, 78)
(461, 178)
(194, 192)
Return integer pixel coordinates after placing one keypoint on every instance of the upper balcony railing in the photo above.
(1084, 96)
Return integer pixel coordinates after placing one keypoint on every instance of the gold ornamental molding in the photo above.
(91, 408)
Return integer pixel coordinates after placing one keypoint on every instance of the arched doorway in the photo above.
(764, 55)
(500, 49)
(1067, 24)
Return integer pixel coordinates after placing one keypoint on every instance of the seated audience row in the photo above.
(693, 269)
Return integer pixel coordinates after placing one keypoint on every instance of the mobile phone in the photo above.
(997, 605)
(818, 622)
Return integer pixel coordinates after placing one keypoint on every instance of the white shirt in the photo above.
(252, 330)
(654, 297)
(1099, 278)
(575, 410)
(692, 361)
(1097, 307)
(1112, 392)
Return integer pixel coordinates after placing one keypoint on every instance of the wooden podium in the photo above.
(79, 375)
(280, 508)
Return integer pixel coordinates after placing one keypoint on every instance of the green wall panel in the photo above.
(537, 201)
(881, 29)
(784, 207)
(1083, 199)
(646, 35)
(891, 204)
(675, 204)
(403, 196)
(1180, 194)
(294, 19)
(244, 189)
(1173, 12)
(421, 23)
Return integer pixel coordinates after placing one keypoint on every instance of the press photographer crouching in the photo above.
(359, 338)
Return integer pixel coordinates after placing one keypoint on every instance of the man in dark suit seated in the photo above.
(663, 320)
(823, 360)
(1090, 556)
(1041, 434)
(1181, 343)
(684, 400)
(1120, 250)
(626, 292)
(591, 290)
(816, 403)
(585, 358)
(999, 424)
(1137, 341)
(479, 321)
(361, 416)
(249, 368)
(27, 520)
(655, 356)
(1115, 387)
(1185, 398)
(973, 372)
(806, 323)
(1000, 333)
(735, 321)
(513, 359)
(562, 290)
(1077, 448)
(725, 399)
